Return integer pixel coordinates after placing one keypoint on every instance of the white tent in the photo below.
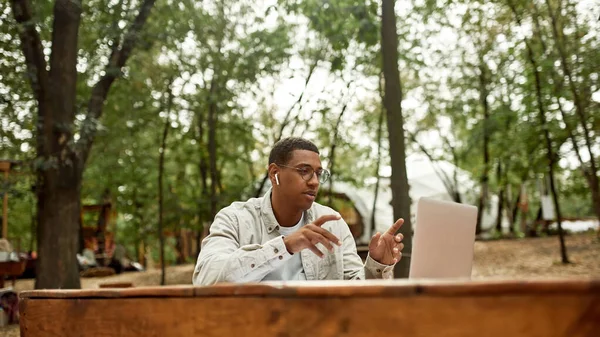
(425, 180)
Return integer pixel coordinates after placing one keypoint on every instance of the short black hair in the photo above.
(281, 153)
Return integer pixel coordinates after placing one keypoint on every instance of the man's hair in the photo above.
(281, 153)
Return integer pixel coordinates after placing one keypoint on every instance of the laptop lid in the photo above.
(443, 240)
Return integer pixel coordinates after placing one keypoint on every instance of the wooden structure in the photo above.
(5, 166)
(99, 235)
(12, 269)
(335, 308)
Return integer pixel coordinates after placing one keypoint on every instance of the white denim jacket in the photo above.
(244, 245)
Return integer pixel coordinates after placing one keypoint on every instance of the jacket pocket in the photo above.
(327, 267)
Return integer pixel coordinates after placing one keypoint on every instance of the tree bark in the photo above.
(549, 150)
(161, 235)
(455, 160)
(334, 141)
(212, 147)
(58, 173)
(378, 163)
(395, 121)
(332, 154)
(161, 169)
(500, 199)
(592, 171)
(514, 211)
(483, 94)
(203, 169)
(60, 160)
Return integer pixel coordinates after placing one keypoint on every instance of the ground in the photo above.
(514, 258)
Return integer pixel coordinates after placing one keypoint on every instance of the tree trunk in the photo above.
(212, 147)
(588, 172)
(203, 169)
(551, 157)
(32, 243)
(161, 169)
(395, 121)
(515, 210)
(62, 161)
(549, 150)
(455, 160)
(592, 171)
(500, 199)
(457, 198)
(203, 164)
(378, 163)
(58, 239)
(483, 94)
(59, 176)
(332, 153)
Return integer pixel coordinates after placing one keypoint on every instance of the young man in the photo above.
(285, 235)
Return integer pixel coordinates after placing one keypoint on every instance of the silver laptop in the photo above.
(443, 240)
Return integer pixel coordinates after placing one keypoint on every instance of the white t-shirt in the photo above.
(292, 270)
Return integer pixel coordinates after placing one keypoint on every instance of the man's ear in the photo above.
(273, 170)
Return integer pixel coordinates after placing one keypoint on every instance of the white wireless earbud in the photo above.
(276, 179)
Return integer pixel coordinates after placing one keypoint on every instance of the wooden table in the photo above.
(340, 308)
(12, 269)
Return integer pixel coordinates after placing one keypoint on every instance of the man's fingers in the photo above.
(323, 219)
(374, 241)
(315, 250)
(318, 238)
(328, 235)
(397, 257)
(396, 226)
(399, 237)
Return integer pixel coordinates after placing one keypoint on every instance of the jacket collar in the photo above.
(268, 216)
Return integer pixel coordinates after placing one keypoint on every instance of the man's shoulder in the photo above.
(241, 208)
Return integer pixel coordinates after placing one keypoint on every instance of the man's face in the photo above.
(292, 184)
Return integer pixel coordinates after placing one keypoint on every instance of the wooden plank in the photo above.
(5, 208)
(108, 293)
(549, 315)
(344, 289)
(4, 165)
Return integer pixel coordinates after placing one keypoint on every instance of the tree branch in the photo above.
(31, 45)
(117, 60)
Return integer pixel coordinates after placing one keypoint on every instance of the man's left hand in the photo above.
(386, 248)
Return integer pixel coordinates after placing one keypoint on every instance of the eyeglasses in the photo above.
(307, 172)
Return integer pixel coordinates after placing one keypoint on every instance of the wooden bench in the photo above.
(12, 269)
(339, 308)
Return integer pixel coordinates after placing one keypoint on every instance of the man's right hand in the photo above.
(308, 236)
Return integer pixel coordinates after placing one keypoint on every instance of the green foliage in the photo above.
(239, 57)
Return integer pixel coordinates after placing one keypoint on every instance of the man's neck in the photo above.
(285, 214)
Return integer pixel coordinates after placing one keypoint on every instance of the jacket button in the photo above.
(270, 228)
(280, 257)
(252, 265)
(276, 250)
(379, 270)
